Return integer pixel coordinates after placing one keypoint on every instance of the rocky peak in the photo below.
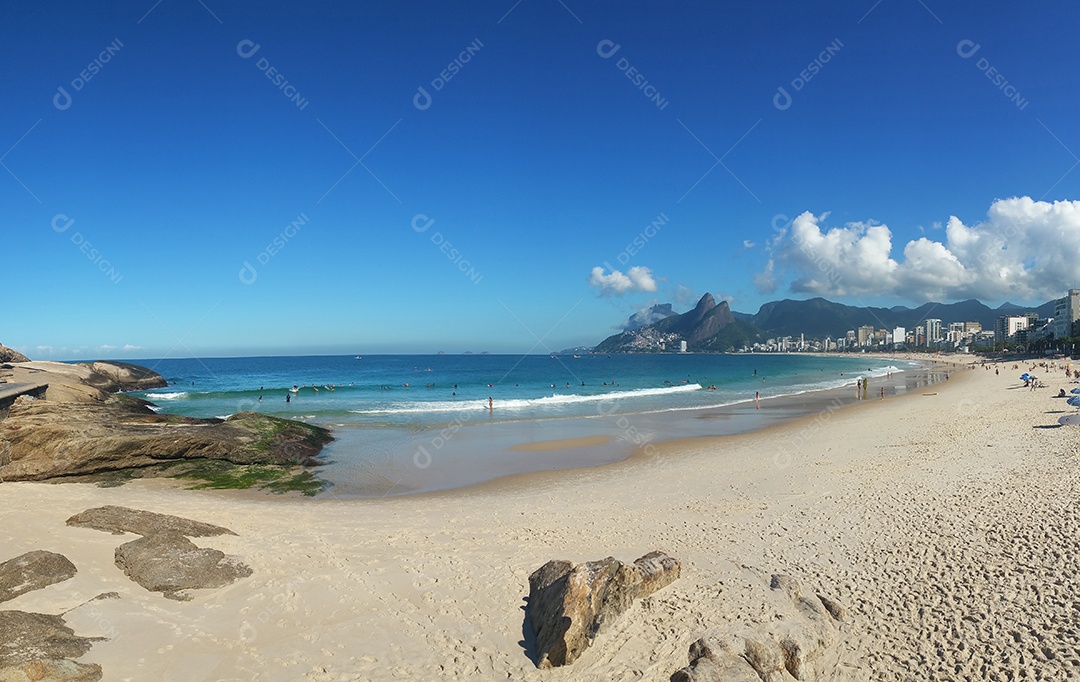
(11, 355)
(706, 303)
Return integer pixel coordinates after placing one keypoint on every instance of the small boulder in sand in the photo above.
(569, 603)
(168, 562)
(33, 571)
(38, 647)
(788, 648)
(119, 520)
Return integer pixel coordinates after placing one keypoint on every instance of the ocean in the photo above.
(416, 423)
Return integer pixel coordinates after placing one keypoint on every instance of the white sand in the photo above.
(946, 524)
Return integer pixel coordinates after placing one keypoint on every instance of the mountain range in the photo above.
(712, 326)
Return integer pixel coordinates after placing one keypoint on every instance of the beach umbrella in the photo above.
(1025, 376)
(1075, 390)
(1074, 401)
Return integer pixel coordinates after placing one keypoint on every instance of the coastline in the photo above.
(445, 459)
(906, 511)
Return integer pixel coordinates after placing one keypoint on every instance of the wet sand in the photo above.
(562, 444)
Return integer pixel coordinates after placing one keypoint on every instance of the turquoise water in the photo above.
(420, 391)
(408, 423)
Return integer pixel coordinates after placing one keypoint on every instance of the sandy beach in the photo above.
(944, 520)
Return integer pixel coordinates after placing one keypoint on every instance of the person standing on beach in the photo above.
(491, 404)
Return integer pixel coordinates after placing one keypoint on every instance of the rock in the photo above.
(786, 584)
(37, 646)
(33, 571)
(570, 604)
(122, 376)
(726, 668)
(43, 439)
(11, 355)
(59, 670)
(719, 659)
(835, 609)
(765, 656)
(79, 429)
(120, 520)
(790, 646)
(168, 562)
(104, 377)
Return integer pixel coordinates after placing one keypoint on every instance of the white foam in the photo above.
(166, 396)
(520, 404)
(882, 371)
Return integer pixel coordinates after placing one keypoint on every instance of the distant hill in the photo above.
(709, 326)
(818, 317)
(644, 318)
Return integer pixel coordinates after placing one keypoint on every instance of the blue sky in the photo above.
(784, 150)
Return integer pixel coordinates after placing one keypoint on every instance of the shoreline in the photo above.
(686, 446)
(438, 464)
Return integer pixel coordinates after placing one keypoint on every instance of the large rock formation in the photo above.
(122, 376)
(79, 429)
(570, 603)
(33, 571)
(11, 355)
(168, 562)
(81, 383)
(38, 647)
(791, 647)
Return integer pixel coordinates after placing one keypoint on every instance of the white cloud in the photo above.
(637, 278)
(765, 281)
(747, 244)
(1025, 249)
(684, 296)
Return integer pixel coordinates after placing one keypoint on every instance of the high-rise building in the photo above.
(866, 334)
(898, 335)
(933, 331)
(1066, 313)
(1007, 325)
